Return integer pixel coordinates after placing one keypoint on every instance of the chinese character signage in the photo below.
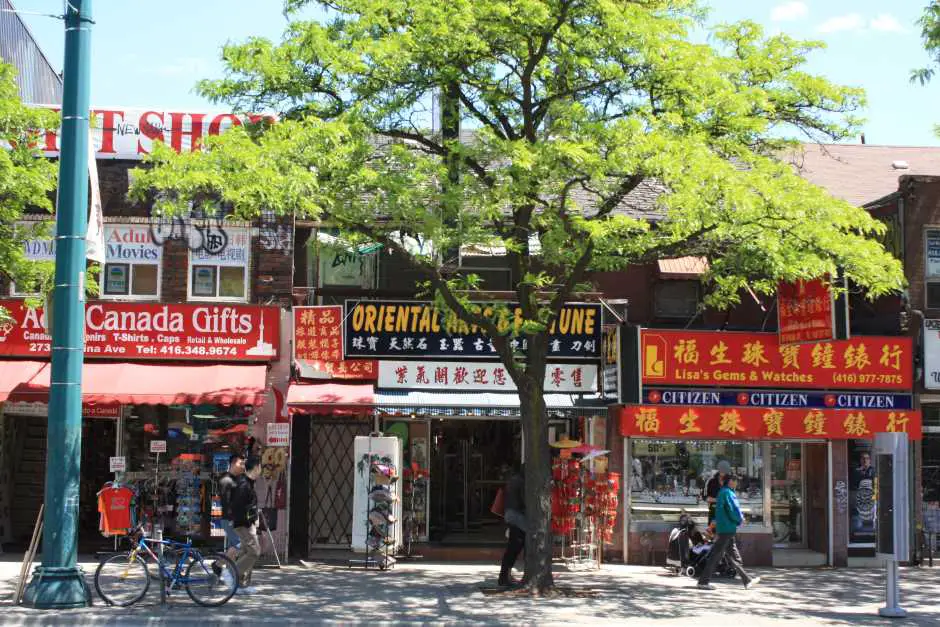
(753, 423)
(278, 434)
(932, 354)
(213, 332)
(491, 377)
(417, 329)
(805, 312)
(782, 398)
(712, 358)
(318, 346)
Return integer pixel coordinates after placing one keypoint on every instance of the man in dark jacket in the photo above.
(713, 486)
(236, 468)
(514, 513)
(244, 508)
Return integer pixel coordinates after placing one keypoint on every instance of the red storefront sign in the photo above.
(805, 312)
(154, 331)
(318, 346)
(713, 358)
(763, 423)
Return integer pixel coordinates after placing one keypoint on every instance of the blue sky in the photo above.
(149, 54)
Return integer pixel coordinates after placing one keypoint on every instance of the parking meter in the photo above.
(892, 502)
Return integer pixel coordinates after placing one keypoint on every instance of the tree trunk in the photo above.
(538, 476)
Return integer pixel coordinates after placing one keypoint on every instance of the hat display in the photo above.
(565, 442)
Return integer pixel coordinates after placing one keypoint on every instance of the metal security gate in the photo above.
(331, 481)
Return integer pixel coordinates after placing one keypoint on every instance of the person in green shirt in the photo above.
(728, 517)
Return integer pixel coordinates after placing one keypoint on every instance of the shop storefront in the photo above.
(448, 399)
(803, 453)
(185, 387)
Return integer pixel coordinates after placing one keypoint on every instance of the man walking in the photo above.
(244, 506)
(516, 519)
(227, 484)
(728, 517)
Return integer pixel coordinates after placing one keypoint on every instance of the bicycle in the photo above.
(123, 579)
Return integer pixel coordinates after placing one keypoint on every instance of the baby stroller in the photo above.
(688, 551)
(679, 550)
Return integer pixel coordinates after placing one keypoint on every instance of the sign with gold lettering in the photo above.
(805, 312)
(418, 329)
(762, 423)
(727, 359)
(318, 346)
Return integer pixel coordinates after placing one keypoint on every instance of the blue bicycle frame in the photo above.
(177, 577)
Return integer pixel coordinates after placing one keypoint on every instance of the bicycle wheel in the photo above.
(211, 580)
(122, 579)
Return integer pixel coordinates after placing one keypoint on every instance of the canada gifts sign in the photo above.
(153, 331)
(393, 330)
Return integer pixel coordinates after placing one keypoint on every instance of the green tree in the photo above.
(929, 24)
(573, 105)
(26, 181)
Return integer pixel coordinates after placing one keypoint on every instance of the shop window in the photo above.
(133, 260)
(932, 267)
(668, 477)
(219, 269)
(676, 299)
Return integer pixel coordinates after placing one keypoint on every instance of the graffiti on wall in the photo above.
(274, 235)
(200, 230)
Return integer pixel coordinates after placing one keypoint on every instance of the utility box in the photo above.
(893, 495)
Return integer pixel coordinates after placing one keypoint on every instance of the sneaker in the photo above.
(247, 590)
(227, 578)
(751, 583)
(706, 586)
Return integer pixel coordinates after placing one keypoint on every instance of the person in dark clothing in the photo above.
(713, 486)
(244, 509)
(728, 517)
(514, 513)
(236, 468)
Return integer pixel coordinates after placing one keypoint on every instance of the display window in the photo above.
(179, 488)
(668, 478)
(132, 263)
(218, 270)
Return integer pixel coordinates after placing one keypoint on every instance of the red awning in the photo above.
(15, 372)
(329, 398)
(144, 383)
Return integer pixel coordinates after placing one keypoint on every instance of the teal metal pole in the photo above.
(58, 582)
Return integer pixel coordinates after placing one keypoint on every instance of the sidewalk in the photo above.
(450, 594)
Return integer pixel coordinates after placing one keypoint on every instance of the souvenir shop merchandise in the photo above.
(415, 492)
(377, 504)
(116, 507)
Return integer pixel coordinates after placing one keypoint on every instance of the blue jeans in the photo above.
(231, 538)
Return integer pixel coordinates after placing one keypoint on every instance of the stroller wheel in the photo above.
(690, 571)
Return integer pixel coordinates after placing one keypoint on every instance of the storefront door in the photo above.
(787, 495)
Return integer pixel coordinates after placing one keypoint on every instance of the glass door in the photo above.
(786, 494)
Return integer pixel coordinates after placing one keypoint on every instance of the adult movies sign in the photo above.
(393, 330)
(153, 331)
(713, 358)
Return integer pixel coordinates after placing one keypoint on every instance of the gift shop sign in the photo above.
(805, 312)
(154, 331)
(490, 377)
(750, 423)
(126, 133)
(318, 346)
(712, 358)
(418, 329)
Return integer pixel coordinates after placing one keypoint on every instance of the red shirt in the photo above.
(114, 504)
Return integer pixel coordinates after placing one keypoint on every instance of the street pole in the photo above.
(58, 582)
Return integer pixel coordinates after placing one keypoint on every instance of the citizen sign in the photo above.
(840, 400)
(154, 331)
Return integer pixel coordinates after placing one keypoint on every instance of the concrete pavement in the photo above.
(450, 594)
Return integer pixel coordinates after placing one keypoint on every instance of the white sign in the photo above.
(125, 243)
(278, 434)
(932, 354)
(126, 133)
(117, 464)
(933, 252)
(232, 249)
(456, 375)
(158, 446)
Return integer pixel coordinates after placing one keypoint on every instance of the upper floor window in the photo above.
(133, 263)
(932, 267)
(676, 299)
(219, 260)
